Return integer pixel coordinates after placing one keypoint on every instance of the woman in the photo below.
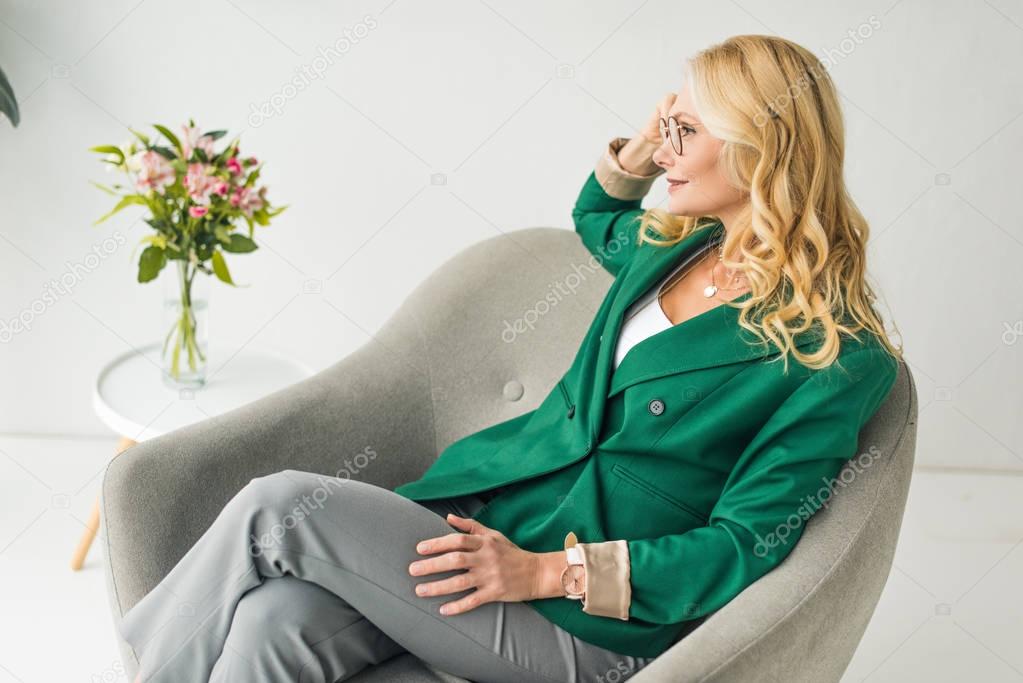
(680, 445)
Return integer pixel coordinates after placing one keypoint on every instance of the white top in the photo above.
(131, 398)
(645, 317)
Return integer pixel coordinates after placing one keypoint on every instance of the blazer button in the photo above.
(656, 406)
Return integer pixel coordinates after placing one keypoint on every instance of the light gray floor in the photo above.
(952, 609)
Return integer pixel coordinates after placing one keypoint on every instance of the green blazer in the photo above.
(698, 453)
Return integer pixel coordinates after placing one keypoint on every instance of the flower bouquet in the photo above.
(196, 198)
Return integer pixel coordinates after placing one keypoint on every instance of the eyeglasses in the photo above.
(670, 129)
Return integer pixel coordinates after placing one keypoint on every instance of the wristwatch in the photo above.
(573, 576)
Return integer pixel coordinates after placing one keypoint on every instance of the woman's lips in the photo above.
(675, 184)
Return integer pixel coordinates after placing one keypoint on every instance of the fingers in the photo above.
(454, 584)
(470, 601)
(453, 541)
(449, 561)
(470, 525)
(666, 103)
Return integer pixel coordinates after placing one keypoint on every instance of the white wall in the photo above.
(511, 102)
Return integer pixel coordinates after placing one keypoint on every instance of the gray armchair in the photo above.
(438, 370)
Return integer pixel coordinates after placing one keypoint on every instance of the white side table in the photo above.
(131, 398)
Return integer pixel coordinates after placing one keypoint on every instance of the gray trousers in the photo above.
(304, 577)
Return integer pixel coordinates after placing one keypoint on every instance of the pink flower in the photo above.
(153, 172)
(199, 183)
(251, 161)
(221, 188)
(192, 140)
(234, 166)
(198, 211)
(248, 200)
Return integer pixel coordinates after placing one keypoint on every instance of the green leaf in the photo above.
(201, 154)
(221, 233)
(151, 262)
(166, 152)
(171, 137)
(159, 241)
(8, 102)
(239, 244)
(109, 149)
(261, 217)
(273, 212)
(158, 224)
(204, 251)
(216, 134)
(104, 188)
(127, 200)
(220, 268)
(140, 136)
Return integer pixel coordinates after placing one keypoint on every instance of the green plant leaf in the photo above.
(239, 244)
(220, 268)
(140, 136)
(105, 188)
(216, 134)
(127, 200)
(166, 152)
(201, 154)
(8, 102)
(151, 262)
(261, 217)
(160, 242)
(171, 137)
(155, 240)
(109, 149)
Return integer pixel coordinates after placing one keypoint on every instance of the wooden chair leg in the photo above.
(92, 526)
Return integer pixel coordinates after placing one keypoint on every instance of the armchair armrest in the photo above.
(368, 417)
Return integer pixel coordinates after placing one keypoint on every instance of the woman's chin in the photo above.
(679, 207)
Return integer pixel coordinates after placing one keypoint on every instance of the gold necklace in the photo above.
(711, 289)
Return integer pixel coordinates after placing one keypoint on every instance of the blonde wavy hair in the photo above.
(801, 236)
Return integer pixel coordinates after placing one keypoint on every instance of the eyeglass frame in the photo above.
(666, 129)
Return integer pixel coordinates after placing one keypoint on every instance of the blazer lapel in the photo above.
(711, 338)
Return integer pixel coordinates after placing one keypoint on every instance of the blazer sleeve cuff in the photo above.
(615, 180)
(608, 580)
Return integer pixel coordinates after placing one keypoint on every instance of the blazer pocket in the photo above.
(656, 492)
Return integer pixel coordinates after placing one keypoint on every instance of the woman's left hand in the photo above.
(497, 568)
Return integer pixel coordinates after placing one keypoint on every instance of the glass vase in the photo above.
(186, 317)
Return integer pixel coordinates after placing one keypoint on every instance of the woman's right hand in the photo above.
(652, 130)
(637, 158)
